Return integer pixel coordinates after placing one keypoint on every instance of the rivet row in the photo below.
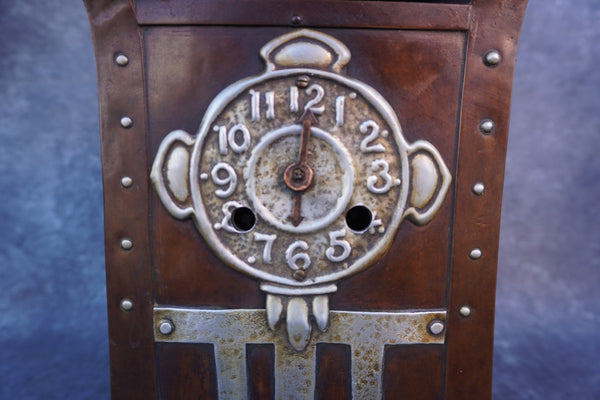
(126, 122)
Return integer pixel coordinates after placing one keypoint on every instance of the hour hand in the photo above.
(298, 176)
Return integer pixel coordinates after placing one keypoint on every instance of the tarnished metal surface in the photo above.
(282, 160)
(433, 67)
(250, 135)
(367, 333)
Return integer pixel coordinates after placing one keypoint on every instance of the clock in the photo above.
(299, 177)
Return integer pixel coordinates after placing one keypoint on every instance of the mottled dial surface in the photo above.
(354, 198)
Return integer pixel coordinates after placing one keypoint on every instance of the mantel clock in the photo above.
(302, 198)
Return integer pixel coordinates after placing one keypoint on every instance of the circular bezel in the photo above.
(206, 228)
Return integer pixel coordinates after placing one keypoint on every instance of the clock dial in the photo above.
(252, 165)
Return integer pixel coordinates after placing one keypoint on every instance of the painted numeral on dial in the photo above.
(336, 241)
(300, 260)
(270, 100)
(222, 138)
(294, 99)
(366, 145)
(384, 174)
(313, 104)
(223, 174)
(225, 224)
(231, 138)
(339, 110)
(255, 105)
(268, 239)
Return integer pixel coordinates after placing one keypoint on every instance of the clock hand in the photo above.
(298, 175)
(296, 205)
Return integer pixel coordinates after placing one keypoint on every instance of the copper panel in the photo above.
(333, 372)
(407, 367)
(128, 274)
(260, 362)
(426, 70)
(192, 366)
(487, 91)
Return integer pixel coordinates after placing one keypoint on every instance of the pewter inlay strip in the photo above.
(229, 331)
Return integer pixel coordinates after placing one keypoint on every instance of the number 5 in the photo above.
(335, 241)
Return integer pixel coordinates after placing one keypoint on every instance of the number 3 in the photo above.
(383, 174)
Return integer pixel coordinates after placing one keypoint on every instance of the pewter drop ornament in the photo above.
(299, 177)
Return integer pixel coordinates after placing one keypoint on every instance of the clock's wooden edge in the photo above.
(119, 63)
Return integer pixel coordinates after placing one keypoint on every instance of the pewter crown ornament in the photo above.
(194, 175)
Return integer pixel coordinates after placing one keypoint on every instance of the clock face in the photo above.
(299, 176)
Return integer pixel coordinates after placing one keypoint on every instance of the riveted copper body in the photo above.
(425, 59)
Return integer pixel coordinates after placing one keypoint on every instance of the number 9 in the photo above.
(230, 180)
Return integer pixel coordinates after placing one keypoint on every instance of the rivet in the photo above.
(126, 122)
(299, 275)
(436, 327)
(166, 327)
(487, 126)
(126, 182)
(475, 254)
(465, 311)
(126, 305)
(478, 188)
(296, 19)
(121, 60)
(492, 58)
(126, 244)
(302, 81)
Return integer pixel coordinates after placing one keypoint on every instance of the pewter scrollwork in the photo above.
(299, 177)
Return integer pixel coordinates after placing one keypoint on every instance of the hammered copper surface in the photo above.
(425, 59)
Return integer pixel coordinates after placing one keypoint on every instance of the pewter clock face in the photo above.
(256, 219)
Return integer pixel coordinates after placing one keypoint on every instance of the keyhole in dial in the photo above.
(359, 218)
(243, 219)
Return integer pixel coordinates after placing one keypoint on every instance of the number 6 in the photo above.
(292, 259)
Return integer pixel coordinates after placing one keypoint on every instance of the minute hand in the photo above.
(298, 175)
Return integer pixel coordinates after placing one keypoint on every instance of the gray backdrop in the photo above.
(53, 333)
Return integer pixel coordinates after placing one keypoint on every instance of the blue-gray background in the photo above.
(53, 333)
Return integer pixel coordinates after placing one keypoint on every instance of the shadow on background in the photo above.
(53, 333)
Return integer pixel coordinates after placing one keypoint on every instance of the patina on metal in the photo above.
(294, 150)
(392, 98)
(367, 334)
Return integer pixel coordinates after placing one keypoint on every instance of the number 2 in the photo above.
(365, 145)
(312, 104)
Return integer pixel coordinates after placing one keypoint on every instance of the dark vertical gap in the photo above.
(333, 374)
(187, 371)
(413, 372)
(260, 371)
